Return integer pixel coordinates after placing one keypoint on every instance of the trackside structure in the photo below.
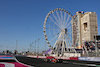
(86, 26)
(69, 35)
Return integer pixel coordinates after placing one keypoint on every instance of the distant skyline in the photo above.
(22, 20)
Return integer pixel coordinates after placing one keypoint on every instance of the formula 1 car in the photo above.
(52, 59)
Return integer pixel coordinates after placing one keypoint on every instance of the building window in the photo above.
(85, 26)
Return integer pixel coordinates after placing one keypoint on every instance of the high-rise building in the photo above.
(89, 26)
(86, 27)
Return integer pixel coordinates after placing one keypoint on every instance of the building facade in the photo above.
(86, 27)
(89, 26)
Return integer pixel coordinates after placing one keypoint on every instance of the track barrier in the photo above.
(96, 59)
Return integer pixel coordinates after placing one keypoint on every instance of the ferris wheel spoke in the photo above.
(53, 29)
(64, 17)
(54, 38)
(61, 16)
(52, 34)
(69, 37)
(53, 25)
(67, 42)
(68, 24)
(69, 32)
(69, 27)
(57, 40)
(55, 17)
(67, 19)
(54, 21)
(58, 15)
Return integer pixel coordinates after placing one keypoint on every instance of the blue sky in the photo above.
(23, 20)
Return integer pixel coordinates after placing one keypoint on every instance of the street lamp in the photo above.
(38, 45)
(35, 46)
(16, 45)
(30, 47)
(45, 43)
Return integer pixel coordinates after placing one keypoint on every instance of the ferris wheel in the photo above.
(58, 28)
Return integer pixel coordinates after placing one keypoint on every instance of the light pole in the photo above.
(38, 45)
(16, 45)
(45, 45)
(32, 47)
(35, 46)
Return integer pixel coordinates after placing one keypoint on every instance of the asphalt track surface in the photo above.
(40, 63)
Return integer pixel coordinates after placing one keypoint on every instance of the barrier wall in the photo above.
(96, 59)
(65, 58)
(36, 56)
(73, 58)
(5, 57)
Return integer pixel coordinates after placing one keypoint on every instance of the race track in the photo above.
(40, 63)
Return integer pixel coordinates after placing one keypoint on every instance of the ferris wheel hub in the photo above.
(65, 30)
